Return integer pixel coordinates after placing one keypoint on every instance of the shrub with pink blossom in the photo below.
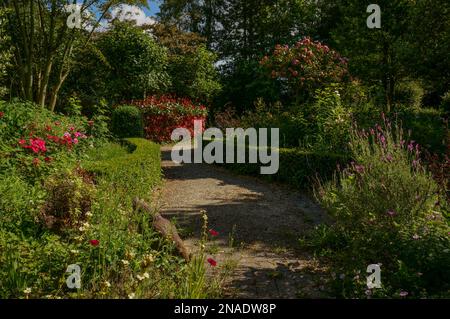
(305, 66)
(387, 210)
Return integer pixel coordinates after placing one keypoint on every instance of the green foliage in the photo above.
(69, 199)
(127, 121)
(194, 75)
(332, 119)
(409, 94)
(5, 51)
(387, 211)
(138, 65)
(445, 104)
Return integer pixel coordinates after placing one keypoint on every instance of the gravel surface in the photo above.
(259, 224)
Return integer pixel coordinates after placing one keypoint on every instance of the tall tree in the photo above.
(45, 45)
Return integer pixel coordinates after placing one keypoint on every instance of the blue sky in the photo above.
(154, 8)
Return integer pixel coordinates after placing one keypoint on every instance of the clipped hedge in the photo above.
(297, 167)
(138, 168)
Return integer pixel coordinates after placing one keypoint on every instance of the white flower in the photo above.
(27, 291)
(89, 214)
(131, 296)
(74, 251)
(146, 275)
(140, 278)
(125, 262)
(107, 284)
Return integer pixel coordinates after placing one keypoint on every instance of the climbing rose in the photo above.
(212, 262)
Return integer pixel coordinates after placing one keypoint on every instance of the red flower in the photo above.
(91, 123)
(48, 159)
(213, 233)
(212, 262)
(1, 114)
(94, 242)
(36, 161)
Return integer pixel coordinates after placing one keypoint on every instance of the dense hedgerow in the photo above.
(388, 210)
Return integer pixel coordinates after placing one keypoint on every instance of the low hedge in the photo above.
(139, 166)
(297, 167)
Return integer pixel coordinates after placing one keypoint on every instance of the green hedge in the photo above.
(136, 165)
(297, 167)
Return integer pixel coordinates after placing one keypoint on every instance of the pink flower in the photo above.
(75, 141)
(213, 233)
(416, 237)
(359, 168)
(391, 213)
(404, 293)
(77, 134)
(212, 262)
(94, 242)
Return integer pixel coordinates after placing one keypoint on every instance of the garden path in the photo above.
(259, 224)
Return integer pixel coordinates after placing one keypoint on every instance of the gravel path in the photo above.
(259, 224)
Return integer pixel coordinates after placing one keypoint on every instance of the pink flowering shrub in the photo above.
(35, 140)
(388, 210)
(305, 66)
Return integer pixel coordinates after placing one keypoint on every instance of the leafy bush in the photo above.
(194, 75)
(137, 64)
(126, 121)
(37, 142)
(332, 120)
(69, 199)
(410, 94)
(387, 210)
(165, 113)
(305, 67)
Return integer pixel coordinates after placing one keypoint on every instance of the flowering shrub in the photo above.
(305, 66)
(165, 113)
(388, 210)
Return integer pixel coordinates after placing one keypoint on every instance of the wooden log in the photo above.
(163, 226)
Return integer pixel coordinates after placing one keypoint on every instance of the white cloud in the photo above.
(125, 12)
